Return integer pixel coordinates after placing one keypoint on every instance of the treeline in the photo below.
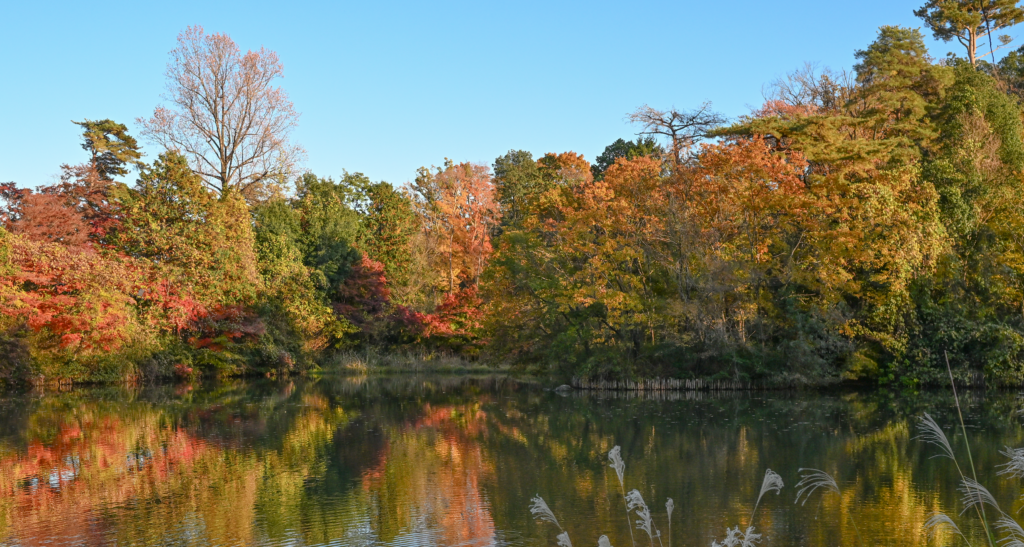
(860, 225)
(103, 280)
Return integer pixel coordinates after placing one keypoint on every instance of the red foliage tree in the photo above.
(80, 299)
(72, 212)
(225, 326)
(364, 297)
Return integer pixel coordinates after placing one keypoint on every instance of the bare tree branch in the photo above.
(225, 115)
(683, 127)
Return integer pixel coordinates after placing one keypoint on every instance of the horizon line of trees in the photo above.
(859, 225)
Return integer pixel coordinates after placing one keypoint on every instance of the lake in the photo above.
(410, 460)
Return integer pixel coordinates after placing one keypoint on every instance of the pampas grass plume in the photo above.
(811, 480)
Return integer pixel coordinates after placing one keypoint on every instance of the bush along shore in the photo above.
(855, 227)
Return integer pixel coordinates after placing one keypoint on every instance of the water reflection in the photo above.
(412, 460)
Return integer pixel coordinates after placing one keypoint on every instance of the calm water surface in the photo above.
(433, 460)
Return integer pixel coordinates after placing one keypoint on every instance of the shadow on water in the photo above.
(456, 460)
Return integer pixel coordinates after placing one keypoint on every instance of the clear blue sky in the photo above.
(386, 87)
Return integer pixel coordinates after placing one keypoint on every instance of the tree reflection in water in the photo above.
(430, 460)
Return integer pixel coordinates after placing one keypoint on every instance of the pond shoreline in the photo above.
(576, 385)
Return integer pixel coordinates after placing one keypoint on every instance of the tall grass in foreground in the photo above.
(974, 494)
(634, 502)
(974, 497)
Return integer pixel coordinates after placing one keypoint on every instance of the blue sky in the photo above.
(386, 87)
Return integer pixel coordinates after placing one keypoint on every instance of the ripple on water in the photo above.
(415, 461)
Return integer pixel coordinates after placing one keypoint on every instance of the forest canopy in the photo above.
(860, 225)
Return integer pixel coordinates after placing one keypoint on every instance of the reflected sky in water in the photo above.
(455, 460)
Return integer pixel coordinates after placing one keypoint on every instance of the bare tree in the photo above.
(815, 91)
(225, 114)
(683, 127)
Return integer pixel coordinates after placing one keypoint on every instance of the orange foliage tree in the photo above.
(457, 208)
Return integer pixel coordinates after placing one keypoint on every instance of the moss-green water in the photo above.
(455, 460)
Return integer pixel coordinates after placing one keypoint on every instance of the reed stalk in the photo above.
(615, 456)
(979, 507)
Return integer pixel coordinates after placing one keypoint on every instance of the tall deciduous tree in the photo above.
(226, 115)
(457, 208)
(971, 21)
(684, 128)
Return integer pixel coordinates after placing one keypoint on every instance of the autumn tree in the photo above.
(169, 218)
(457, 209)
(728, 222)
(75, 304)
(643, 146)
(47, 217)
(971, 21)
(226, 115)
(363, 299)
(566, 169)
(76, 210)
(562, 174)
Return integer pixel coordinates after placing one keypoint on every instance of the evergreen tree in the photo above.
(1011, 71)
(329, 229)
(387, 228)
(112, 148)
(970, 22)
(203, 242)
(897, 83)
(517, 181)
(643, 146)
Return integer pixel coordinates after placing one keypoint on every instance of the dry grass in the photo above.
(375, 361)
